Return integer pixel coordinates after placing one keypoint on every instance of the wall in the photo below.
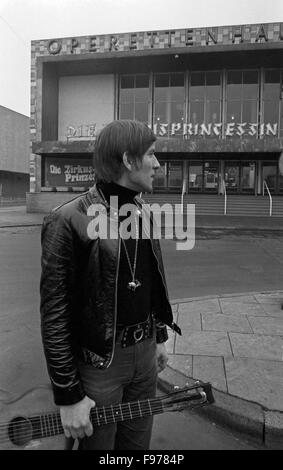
(46, 201)
(14, 141)
(13, 185)
(85, 100)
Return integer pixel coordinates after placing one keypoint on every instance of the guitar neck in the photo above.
(20, 430)
(49, 424)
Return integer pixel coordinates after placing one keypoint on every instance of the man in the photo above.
(104, 301)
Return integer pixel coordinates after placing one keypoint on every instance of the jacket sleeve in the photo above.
(56, 287)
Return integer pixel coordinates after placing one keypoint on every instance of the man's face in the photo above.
(141, 176)
(281, 163)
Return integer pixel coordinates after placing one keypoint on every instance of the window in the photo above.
(242, 100)
(271, 98)
(169, 104)
(205, 100)
(175, 175)
(134, 97)
(160, 180)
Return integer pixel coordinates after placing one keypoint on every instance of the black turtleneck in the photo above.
(132, 307)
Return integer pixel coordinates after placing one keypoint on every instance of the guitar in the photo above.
(24, 432)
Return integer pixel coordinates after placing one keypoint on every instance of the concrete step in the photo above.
(213, 204)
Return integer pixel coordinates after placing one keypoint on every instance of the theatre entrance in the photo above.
(207, 176)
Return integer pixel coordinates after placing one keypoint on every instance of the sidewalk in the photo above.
(233, 341)
(17, 216)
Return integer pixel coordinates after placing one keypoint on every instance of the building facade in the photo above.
(14, 155)
(213, 96)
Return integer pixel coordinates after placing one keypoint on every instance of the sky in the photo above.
(24, 20)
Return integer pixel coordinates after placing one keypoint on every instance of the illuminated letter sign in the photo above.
(75, 44)
(211, 36)
(54, 46)
(261, 34)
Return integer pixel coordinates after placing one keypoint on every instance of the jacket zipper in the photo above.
(116, 294)
(116, 288)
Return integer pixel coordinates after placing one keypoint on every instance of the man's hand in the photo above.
(75, 418)
(162, 356)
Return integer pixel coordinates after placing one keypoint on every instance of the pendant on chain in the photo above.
(132, 285)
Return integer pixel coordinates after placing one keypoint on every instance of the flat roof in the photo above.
(264, 35)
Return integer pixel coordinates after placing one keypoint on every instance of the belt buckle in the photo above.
(138, 331)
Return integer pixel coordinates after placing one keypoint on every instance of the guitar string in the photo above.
(141, 402)
(94, 410)
(49, 428)
(125, 416)
(121, 405)
(129, 417)
(40, 434)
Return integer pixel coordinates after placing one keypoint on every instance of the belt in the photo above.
(133, 334)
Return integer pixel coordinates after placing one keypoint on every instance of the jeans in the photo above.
(131, 376)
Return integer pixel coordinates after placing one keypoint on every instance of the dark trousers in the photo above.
(131, 376)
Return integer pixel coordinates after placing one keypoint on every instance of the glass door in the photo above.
(175, 176)
(195, 176)
(160, 180)
(269, 175)
(247, 183)
(169, 177)
(232, 176)
(211, 176)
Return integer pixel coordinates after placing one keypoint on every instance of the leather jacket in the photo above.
(78, 290)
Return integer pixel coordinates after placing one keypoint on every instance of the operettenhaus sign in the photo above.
(185, 38)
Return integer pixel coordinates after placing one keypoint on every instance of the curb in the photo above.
(220, 296)
(21, 225)
(210, 228)
(258, 424)
(242, 227)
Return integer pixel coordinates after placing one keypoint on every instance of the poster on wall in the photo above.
(68, 172)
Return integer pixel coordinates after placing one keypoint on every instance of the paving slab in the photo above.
(240, 298)
(189, 321)
(210, 369)
(257, 346)
(267, 326)
(183, 363)
(272, 309)
(200, 306)
(242, 308)
(256, 380)
(220, 322)
(205, 343)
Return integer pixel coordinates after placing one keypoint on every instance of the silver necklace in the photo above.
(134, 283)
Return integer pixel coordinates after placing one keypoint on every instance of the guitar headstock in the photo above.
(199, 394)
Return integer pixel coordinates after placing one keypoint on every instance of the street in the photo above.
(225, 263)
(218, 264)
